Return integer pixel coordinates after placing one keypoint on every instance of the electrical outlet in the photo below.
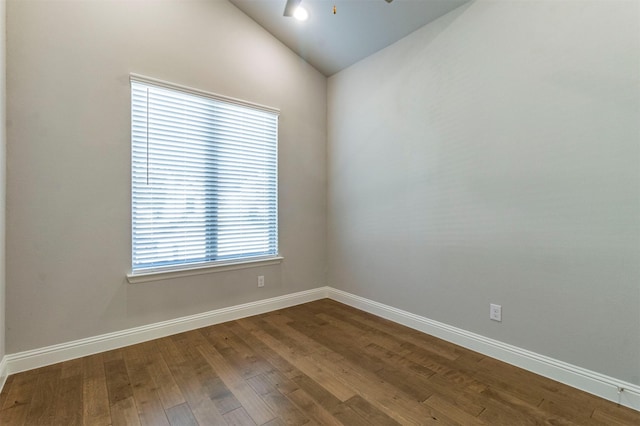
(495, 312)
(261, 281)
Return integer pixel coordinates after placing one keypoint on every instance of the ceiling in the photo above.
(359, 28)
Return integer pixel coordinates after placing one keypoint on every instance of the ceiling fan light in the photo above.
(290, 7)
(301, 14)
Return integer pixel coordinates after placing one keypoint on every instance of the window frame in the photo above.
(189, 269)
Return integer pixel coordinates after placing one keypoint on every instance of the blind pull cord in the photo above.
(147, 136)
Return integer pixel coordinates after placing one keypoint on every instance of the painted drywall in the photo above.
(3, 179)
(493, 156)
(68, 157)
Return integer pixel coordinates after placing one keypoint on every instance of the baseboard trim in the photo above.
(28, 360)
(589, 381)
(3, 372)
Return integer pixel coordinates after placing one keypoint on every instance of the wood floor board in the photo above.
(348, 344)
(319, 363)
(369, 412)
(368, 334)
(504, 402)
(276, 422)
(312, 408)
(369, 374)
(475, 374)
(463, 397)
(614, 417)
(348, 416)
(301, 339)
(3, 396)
(181, 415)
(71, 368)
(399, 361)
(124, 413)
(221, 396)
(236, 352)
(112, 355)
(268, 354)
(150, 409)
(190, 385)
(317, 392)
(170, 353)
(118, 383)
(166, 387)
(19, 393)
(286, 409)
(412, 384)
(397, 404)
(452, 411)
(282, 383)
(69, 401)
(281, 335)
(612, 410)
(250, 400)
(389, 329)
(238, 417)
(275, 389)
(42, 406)
(308, 367)
(95, 396)
(263, 383)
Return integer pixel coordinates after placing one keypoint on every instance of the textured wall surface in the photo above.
(69, 149)
(492, 157)
(3, 178)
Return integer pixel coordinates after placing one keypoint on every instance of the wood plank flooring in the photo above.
(321, 363)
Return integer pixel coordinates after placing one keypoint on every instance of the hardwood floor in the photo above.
(321, 363)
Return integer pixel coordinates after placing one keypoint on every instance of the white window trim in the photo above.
(148, 275)
(165, 273)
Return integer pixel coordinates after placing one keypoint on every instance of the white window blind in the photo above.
(204, 178)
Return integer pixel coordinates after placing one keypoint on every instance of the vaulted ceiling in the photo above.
(331, 42)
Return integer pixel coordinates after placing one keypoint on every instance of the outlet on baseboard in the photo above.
(495, 312)
(261, 281)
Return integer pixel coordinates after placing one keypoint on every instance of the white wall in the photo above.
(3, 179)
(493, 156)
(68, 155)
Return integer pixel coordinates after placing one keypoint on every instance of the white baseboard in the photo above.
(3, 372)
(595, 383)
(589, 381)
(28, 360)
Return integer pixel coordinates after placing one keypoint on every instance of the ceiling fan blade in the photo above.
(291, 7)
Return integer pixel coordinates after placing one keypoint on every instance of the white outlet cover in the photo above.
(495, 312)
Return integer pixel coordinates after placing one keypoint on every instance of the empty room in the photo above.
(320, 212)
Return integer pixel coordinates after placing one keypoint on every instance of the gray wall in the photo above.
(68, 155)
(3, 179)
(493, 156)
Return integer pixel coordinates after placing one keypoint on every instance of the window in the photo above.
(204, 178)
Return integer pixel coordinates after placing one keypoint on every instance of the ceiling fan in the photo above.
(292, 5)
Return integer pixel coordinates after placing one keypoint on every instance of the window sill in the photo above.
(166, 274)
